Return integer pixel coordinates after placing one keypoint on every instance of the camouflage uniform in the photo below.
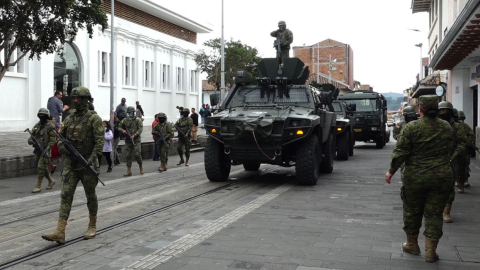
(464, 160)
(44, 133)
(85, 130)
(166, 130)
(397, 129)
(286, 38)
(470, 146)
(135, 127)
(425, 146)
(185, 124)
(409, 115)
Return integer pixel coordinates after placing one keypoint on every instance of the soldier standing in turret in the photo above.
(133, 144)
(43, 131)
(165, 129)
(285, 37)
(185, 124)
(85, 131)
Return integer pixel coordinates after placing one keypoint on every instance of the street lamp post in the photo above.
(420, 75)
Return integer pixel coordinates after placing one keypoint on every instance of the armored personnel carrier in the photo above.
(344, 129)
(273, 119)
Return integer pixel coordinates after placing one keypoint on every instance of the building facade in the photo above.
(454, 51)
(153, 62)
(329, 60)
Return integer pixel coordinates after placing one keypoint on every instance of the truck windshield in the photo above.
(363, 105)
(252, 95)
(336, 107)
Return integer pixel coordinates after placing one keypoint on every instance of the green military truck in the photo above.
(275, 119)
(344, 130)
(370, 114)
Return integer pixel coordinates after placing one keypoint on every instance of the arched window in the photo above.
(67, 73)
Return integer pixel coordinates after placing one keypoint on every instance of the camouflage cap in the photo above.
(428, 100)
(281, 23)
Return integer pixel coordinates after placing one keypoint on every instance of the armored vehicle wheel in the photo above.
(251, 166)
(328, 151)
(380, 141)
(217, 163)
(343, 146)
(307, 165)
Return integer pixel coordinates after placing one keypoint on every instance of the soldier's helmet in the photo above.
(281, 23)
(81, 91)
(408, 110)
(43, 111)
(445, 105)
(455, 113)
(130, 109)
(186, 111)
(461, 115)
(161, 115)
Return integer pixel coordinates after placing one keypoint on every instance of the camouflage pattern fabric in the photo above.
(69, 185)
(133, 150)
(397, 129)
(86, 132)
(135, 126)
(460, 141)
(46, 137)
(286, 38)
(425, 146)
(186, 125)
(167, 131)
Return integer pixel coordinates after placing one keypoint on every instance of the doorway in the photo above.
(67, 73)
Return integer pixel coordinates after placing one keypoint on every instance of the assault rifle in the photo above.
(277, 43)
(129, 136)
(77, 157)
(180, 131)
(161, 137)
(42, 150)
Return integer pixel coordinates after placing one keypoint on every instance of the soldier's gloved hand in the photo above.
(61, 148)
(30, 142)
(91, 160)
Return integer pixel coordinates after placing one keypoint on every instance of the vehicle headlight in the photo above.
(374, 128)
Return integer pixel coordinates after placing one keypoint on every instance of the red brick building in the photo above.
(328, 59)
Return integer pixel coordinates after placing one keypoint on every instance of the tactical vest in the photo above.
(131, 124)
(183, 124)
(42, 133)
(78, 129)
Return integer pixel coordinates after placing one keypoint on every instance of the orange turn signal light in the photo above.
(214, 130)
(299, 132)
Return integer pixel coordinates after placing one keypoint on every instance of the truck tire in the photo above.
(380, 141)
(251, 166)
(307, 165)
(217, 165)
(343, 146)
(328, 155)
(352, 143)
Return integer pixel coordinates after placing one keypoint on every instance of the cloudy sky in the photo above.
(384, 49)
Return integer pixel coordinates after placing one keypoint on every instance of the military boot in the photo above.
(186, 161)
(166, 165)
(181, 161)
(59, 234)
(466, 184)
(446, 214)
(92, 228)
(140, 166)
(162, 167)
(51, 182)
(129, 172)
(430, 250)
(38, 187)
(411, 246)
(461, 187)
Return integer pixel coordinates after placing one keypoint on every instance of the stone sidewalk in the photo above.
(17, 159)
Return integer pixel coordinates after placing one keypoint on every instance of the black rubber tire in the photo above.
(217, 163)
(328, 155)
(352, 144)
(343, 146)
(251, 166)
(380, 141)
(307, 164)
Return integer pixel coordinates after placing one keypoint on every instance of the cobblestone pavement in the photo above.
(350, 220)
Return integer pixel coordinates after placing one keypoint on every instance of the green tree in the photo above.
(238, 56)
(34, 27)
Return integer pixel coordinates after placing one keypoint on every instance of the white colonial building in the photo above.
(454, 46)
(154, 64)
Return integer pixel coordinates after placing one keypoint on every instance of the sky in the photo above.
(385, 55)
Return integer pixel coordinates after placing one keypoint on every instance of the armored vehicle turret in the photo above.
(276, 119)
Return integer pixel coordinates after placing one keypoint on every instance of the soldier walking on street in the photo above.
(425, 146)
(43, 131)
(185, 124)
(446, 113)
(464, 160)
(163, 131)
(85, 131)
(409, 115)
(284, 37)
(132, 128)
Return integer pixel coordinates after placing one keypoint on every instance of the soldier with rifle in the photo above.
(163, 131)
(42, 138)
(184, 126)
(284, 37)
(81, 140)
(132, 127)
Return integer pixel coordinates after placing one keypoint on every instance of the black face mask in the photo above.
(445, 116)
(409, 118)
(43, 120)
(162, 120)
(185, 114)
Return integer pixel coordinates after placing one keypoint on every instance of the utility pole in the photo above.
(112, 49)
(222, 72)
